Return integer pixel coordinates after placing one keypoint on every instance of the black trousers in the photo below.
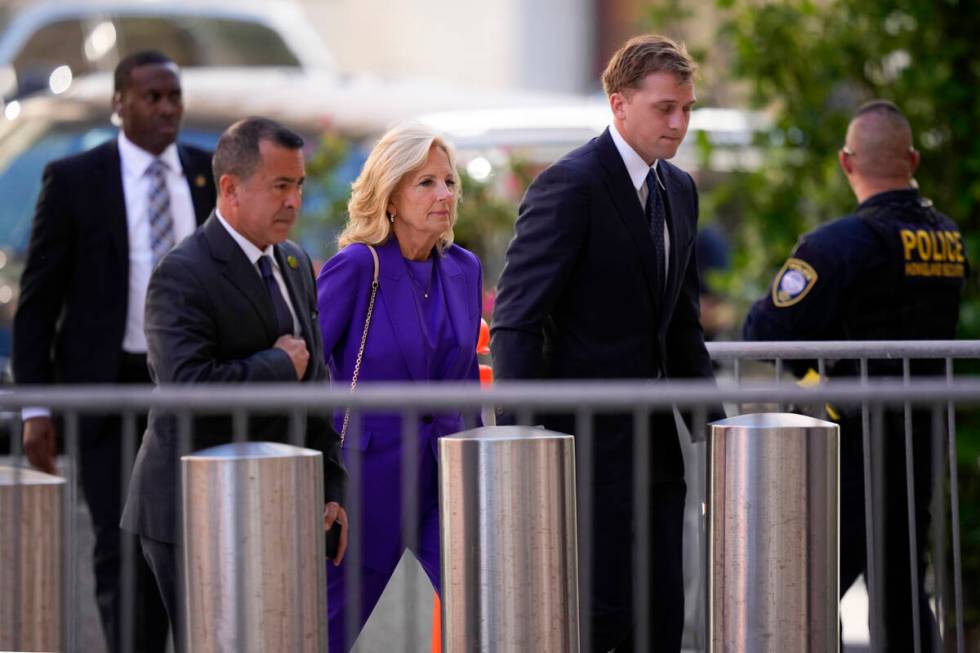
(162, 560)
(895, 603)
(613, 615)
(100, 466)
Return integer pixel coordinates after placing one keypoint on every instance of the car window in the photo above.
(202, 41)
(20, 176)
(25, 152)
(22, 162)
(55, 44)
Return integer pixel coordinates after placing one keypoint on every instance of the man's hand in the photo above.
(296, 348)
(39, 443)
(332, 512)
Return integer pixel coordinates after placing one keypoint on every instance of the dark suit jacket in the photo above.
(577, 298)
(209, 319)
(74, 292)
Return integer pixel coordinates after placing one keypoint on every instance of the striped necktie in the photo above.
(161, 222)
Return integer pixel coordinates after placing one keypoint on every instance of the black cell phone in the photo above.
(332, 538)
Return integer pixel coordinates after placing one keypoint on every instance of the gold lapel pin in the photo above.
(200, 181)
(293, 263)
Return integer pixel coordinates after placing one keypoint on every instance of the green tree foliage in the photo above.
(811, 63)
(487, 210)
(325, 209)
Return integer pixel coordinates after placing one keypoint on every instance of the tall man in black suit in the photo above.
(234, 303)
(103, 219)
(601, 282)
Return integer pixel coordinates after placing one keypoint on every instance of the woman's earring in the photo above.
(391, 218)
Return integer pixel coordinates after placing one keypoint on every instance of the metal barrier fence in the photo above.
(939, 397)
(903, 352)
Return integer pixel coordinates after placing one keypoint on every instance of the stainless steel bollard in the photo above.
(31, 560)
(253, 546)
(773, 534)
(509, 543)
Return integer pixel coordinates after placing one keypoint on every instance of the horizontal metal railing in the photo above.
(582, 398)
(737, 353)
(540, 395)
(855, 349)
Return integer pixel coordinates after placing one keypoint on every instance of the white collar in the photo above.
(251, 251)
(135, 160)
(635, 165)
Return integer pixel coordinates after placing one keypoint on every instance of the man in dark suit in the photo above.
(234, 303)
(103, 219)
(601, 282)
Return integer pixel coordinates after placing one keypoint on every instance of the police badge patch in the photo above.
(793, 283)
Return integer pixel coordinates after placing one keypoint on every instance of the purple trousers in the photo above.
(379, 526)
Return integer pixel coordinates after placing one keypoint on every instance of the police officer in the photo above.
(892, 270)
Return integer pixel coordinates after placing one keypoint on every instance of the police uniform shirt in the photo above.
(894, 255)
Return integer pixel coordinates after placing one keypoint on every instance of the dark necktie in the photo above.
(657, 217)
(284, 319)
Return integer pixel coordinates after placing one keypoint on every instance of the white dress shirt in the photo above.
(254, 253)
(638, 171)
(136, 188)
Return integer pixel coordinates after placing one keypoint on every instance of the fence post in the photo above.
(31, 560)
(773, 534)
(509, 543)
(253, 548)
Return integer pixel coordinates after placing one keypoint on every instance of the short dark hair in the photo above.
(880, 106)
(643, 55)
(237, 152)
(880, 138)
(121, 78)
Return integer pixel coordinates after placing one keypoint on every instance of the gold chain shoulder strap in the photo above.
(360, 350)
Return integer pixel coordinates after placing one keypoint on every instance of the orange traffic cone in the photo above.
(483, 340)
(486, 375)
(436, 625)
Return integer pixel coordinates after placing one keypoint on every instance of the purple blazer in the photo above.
(393, 351)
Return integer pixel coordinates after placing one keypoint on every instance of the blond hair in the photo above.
(643, 55)
(402, 150)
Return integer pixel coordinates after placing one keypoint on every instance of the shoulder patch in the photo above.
(794, 281)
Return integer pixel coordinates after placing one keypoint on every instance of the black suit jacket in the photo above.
(74, 291)
(209, 319)
(578, 299)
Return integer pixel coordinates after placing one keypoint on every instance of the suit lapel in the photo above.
(240, 273)
(114, 199)
(676, 208)
(295, 284)
(457, 307)
(399, 298)
(628, 208)
(198, 181)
